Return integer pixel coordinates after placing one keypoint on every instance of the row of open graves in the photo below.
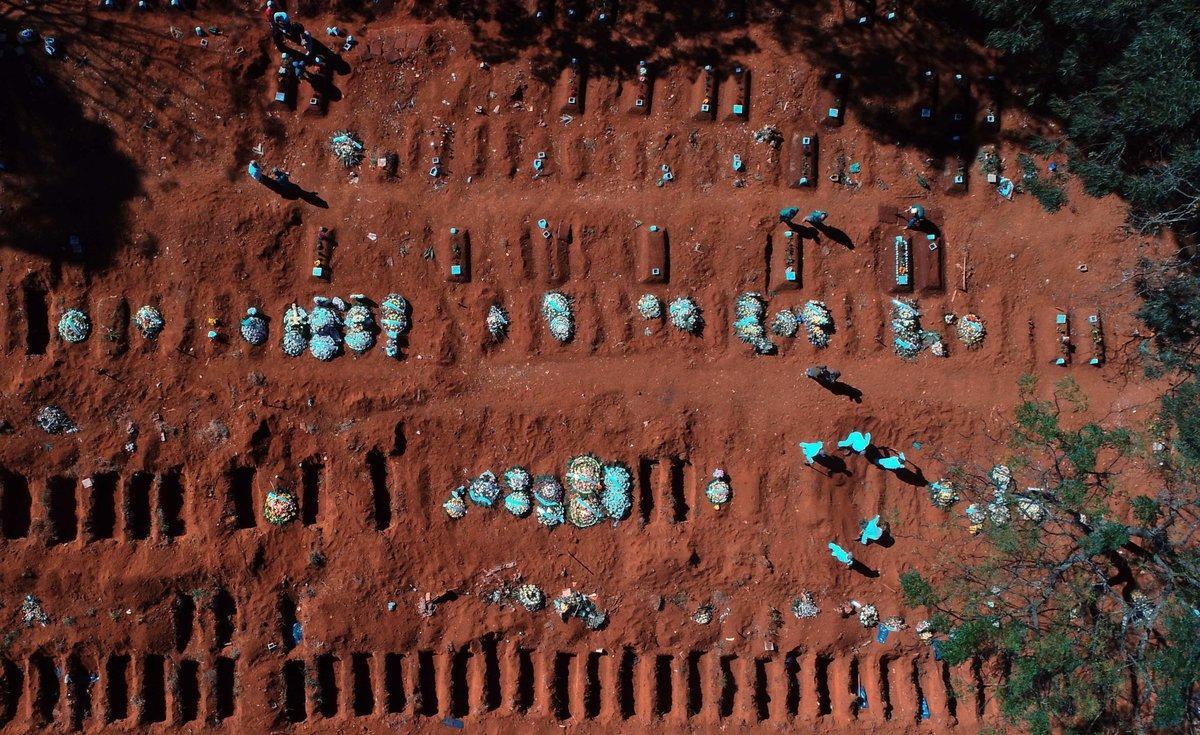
(955, 108)
(489, 679)
(801, 160)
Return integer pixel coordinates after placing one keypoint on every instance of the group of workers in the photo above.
(914, 216)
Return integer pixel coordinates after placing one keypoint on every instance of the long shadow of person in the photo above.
(332, 58)
(836, 465)
(833, 233)
(805, 230)
(913, 476)
(323, 82)
(838, 388)
(291, 191)
(864, 570)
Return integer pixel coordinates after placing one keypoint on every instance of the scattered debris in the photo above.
(805, 606)
(347, 147)
(970, 330)
(908, 336)
(32, 612)
(943, 494)
(53, 420)
(572, 604)
(497, 322)
(770, 135)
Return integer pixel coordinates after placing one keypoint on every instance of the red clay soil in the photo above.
(170, 599)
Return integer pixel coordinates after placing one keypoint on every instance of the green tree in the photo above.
(1124, 78)
(1081, 580)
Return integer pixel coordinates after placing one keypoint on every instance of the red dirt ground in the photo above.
(152, 134)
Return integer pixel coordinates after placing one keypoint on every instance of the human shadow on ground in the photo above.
(864, 570)
(834, 464)
(292, 191)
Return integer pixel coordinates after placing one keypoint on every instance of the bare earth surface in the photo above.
(170, 600)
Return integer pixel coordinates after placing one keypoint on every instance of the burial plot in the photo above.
(706, 95)
(739, 105)
(802, 161)
(457, 255)
(653, 255)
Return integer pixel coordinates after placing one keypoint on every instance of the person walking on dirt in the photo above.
(255, 171)
(841, 554)
(787, 214)
(816, 217)
(823, 374)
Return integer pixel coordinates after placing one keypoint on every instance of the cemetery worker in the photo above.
(816, 217)
(280, 175)
(787, 214)
(812, 450)
(856, 441)
(823, 374)
(280, 20)
(841, 554)
(255, 171)
(916, 217)
(892, 463)
(871, 531)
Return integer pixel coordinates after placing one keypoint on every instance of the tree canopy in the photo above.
(1124, 78)
(1086, 577)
